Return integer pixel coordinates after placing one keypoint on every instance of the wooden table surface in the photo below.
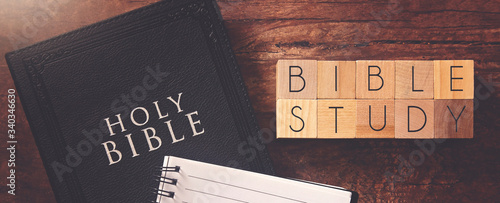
(262, 32)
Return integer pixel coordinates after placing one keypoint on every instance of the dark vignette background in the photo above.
(261, 32)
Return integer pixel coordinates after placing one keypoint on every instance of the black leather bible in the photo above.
(107, 102)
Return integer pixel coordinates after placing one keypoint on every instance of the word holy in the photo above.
(150, 136)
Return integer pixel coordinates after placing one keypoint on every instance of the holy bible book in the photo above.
(107, 102)
(183, 180)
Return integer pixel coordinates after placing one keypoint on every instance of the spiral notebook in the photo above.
(107, 102)
(187, 181)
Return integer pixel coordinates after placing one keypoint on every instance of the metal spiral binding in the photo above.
(161, 179)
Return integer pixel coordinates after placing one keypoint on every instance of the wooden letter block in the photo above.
(407, 99)
(414, 119)
(375, 79)
(454, 79)
(296, 118)
(375, 119)
(336, 118)
(296, 79)
(336, 79)
(454, 118)
(414, 80)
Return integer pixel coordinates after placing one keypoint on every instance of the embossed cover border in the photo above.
(205, 12)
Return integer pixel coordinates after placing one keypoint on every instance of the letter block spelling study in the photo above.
(401, 99)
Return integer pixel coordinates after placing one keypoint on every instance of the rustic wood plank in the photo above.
(261, 32)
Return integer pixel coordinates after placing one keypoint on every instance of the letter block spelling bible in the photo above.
(296, 79)
(336, 79)
(401, 99)
(374, 79)
(414, 80)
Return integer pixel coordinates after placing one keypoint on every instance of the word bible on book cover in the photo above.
(107, 102)
(375, 99)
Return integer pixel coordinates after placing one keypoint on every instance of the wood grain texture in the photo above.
(374, 118)
(375, 79)
(336, 118)
(336, 79)
(296, 79)
(414, 119)
(453, 118)
(261, 32)
(296, 118)
(414, 79)
(453, 79)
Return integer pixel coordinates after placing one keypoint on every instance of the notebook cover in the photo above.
(134, 67)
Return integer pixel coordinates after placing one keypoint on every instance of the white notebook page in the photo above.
(201, 182)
